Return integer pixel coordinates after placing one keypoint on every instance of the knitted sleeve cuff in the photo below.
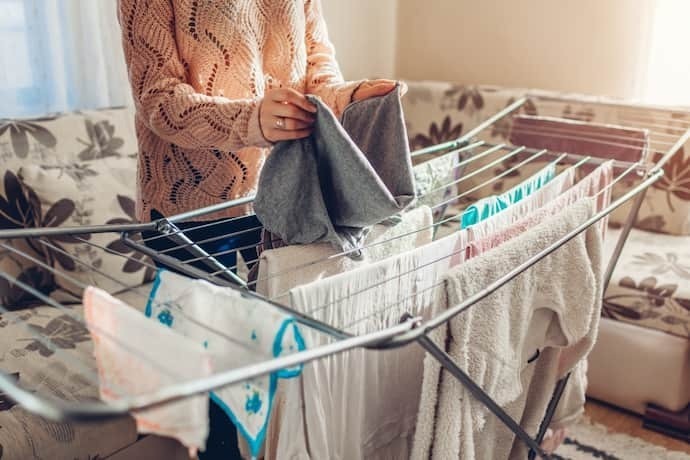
(337, 95)
(255, 136)
(344, 93)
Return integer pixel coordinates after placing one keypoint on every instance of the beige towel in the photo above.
(490, 341)
(284, 268)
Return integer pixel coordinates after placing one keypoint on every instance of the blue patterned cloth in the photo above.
(237, 331)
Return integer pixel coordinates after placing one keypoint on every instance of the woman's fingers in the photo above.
(289, 110)
(277, 134)
(291, 124)
(285, 114)
(290, 96)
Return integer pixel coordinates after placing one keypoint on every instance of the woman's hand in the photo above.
(373, 88)
(285, 114)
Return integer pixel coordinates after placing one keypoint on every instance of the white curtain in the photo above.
(60, 55)
(668, 63)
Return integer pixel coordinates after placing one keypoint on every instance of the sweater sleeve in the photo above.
(323, 73)
(169, 106)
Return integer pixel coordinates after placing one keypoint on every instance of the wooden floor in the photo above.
(631, 424)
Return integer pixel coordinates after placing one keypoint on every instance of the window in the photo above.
(18, 80)
(59, 55)
(668, 69)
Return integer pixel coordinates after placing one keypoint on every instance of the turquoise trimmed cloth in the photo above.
(491, 205)
(238, 331)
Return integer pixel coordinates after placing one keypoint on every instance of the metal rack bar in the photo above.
(550, 411)
(198, 274)
(429, 325)
(599, 101)
(169, 228)
(395, 336)
(392, 337)
(87, 411)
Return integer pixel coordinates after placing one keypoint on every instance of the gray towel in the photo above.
(347, 176)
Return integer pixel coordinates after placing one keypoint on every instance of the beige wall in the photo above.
(364, 35)
(572, 45)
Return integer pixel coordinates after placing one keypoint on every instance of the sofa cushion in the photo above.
(111, 134)
(650, 286)
(632, 366)
(98, 193)
(67, 372)
(66, 143)
(49, 140)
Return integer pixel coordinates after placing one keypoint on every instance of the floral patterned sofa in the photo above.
(67, 170)
(642, 358)
(79, 169)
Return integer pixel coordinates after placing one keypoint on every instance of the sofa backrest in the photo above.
(66, 170)
(439, 111)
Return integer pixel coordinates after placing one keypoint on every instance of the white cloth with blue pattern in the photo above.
(237, 330)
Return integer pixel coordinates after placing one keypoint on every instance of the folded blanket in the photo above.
(335, 184)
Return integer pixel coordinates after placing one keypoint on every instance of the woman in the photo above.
(215, 83)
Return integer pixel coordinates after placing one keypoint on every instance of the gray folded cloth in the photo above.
(342, 179)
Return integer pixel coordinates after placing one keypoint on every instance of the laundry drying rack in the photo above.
(667, 135)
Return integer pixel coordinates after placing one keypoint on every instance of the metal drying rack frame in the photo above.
(410, 329)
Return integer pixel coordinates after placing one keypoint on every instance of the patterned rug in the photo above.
(592, 441)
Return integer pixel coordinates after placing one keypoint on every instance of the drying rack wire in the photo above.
(666, 141)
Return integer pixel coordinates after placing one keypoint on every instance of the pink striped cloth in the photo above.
(581, 138)
(595, 182)
(137, 357)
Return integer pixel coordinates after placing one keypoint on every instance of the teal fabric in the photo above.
(491, 205)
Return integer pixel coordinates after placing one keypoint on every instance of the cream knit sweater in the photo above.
(198, 71)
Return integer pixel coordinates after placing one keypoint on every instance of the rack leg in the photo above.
(550, 410)
(448, 363)
(173, 232)
(629, 222)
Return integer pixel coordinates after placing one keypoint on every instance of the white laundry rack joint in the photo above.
(409, 330)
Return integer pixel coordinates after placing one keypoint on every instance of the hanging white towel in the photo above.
(489, 341)
(237, 331)
(284, 268)
(361, 404)
(136, 357)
